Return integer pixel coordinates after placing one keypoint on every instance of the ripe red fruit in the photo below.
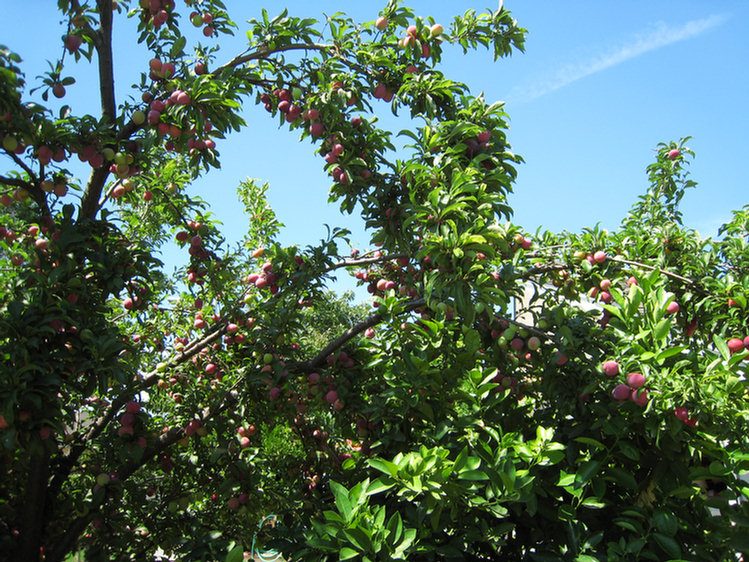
(674, 153)
(58, 90)
(517, 344)
(621, 392)
(735, 345)
(599, 256)
(381, 23)
(331, 396)
(369, 333)
(132, 407)
(635, 380)
(682, 413)
(611, 368)
(128, 303)
(673, 307)
(72, 43)
(640, 397)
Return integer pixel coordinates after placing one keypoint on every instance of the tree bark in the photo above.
(103, 42)
(31, 532)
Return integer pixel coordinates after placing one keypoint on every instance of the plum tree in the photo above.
(467, 416)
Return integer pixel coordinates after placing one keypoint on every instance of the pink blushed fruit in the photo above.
(673, 307)
(674, 153)
(682, 413)
(640, 397)
(635, 380)
(611, 368)
(621, 392)
(735, 345)
(600, 256)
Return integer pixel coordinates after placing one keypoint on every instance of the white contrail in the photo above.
(660, 37)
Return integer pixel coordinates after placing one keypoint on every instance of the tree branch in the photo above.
(364, 261)
(124, 471)
(352, 332)
(103, 43)
(256, 55)
(658, 269)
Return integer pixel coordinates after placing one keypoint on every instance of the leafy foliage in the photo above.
(567, 397)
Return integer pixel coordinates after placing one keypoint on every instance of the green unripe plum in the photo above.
(139, 117)
(268, 358)
(10, 143)
(509, 333)
(161, 367)
(297, 93)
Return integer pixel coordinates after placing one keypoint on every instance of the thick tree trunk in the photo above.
(32, 522)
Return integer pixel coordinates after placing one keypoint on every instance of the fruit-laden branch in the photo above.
(30, 186)
(684, 280)
(126, 470)
(67, 463)
(364, 261)
(352, 332)
(103, 43)
(15, 182)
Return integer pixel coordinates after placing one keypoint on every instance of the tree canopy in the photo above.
(509, 396)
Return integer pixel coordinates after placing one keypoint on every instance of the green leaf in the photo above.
(590, 441)
(377, 486)
(720, 343)
(662, 328)
(347, 553)
(668, 544)
(236, 554)
(384, 466)
(629, 450)
(473, 475)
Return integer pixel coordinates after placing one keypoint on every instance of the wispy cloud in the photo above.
(661, 36)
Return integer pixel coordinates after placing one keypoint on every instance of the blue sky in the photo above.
(600, 84)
